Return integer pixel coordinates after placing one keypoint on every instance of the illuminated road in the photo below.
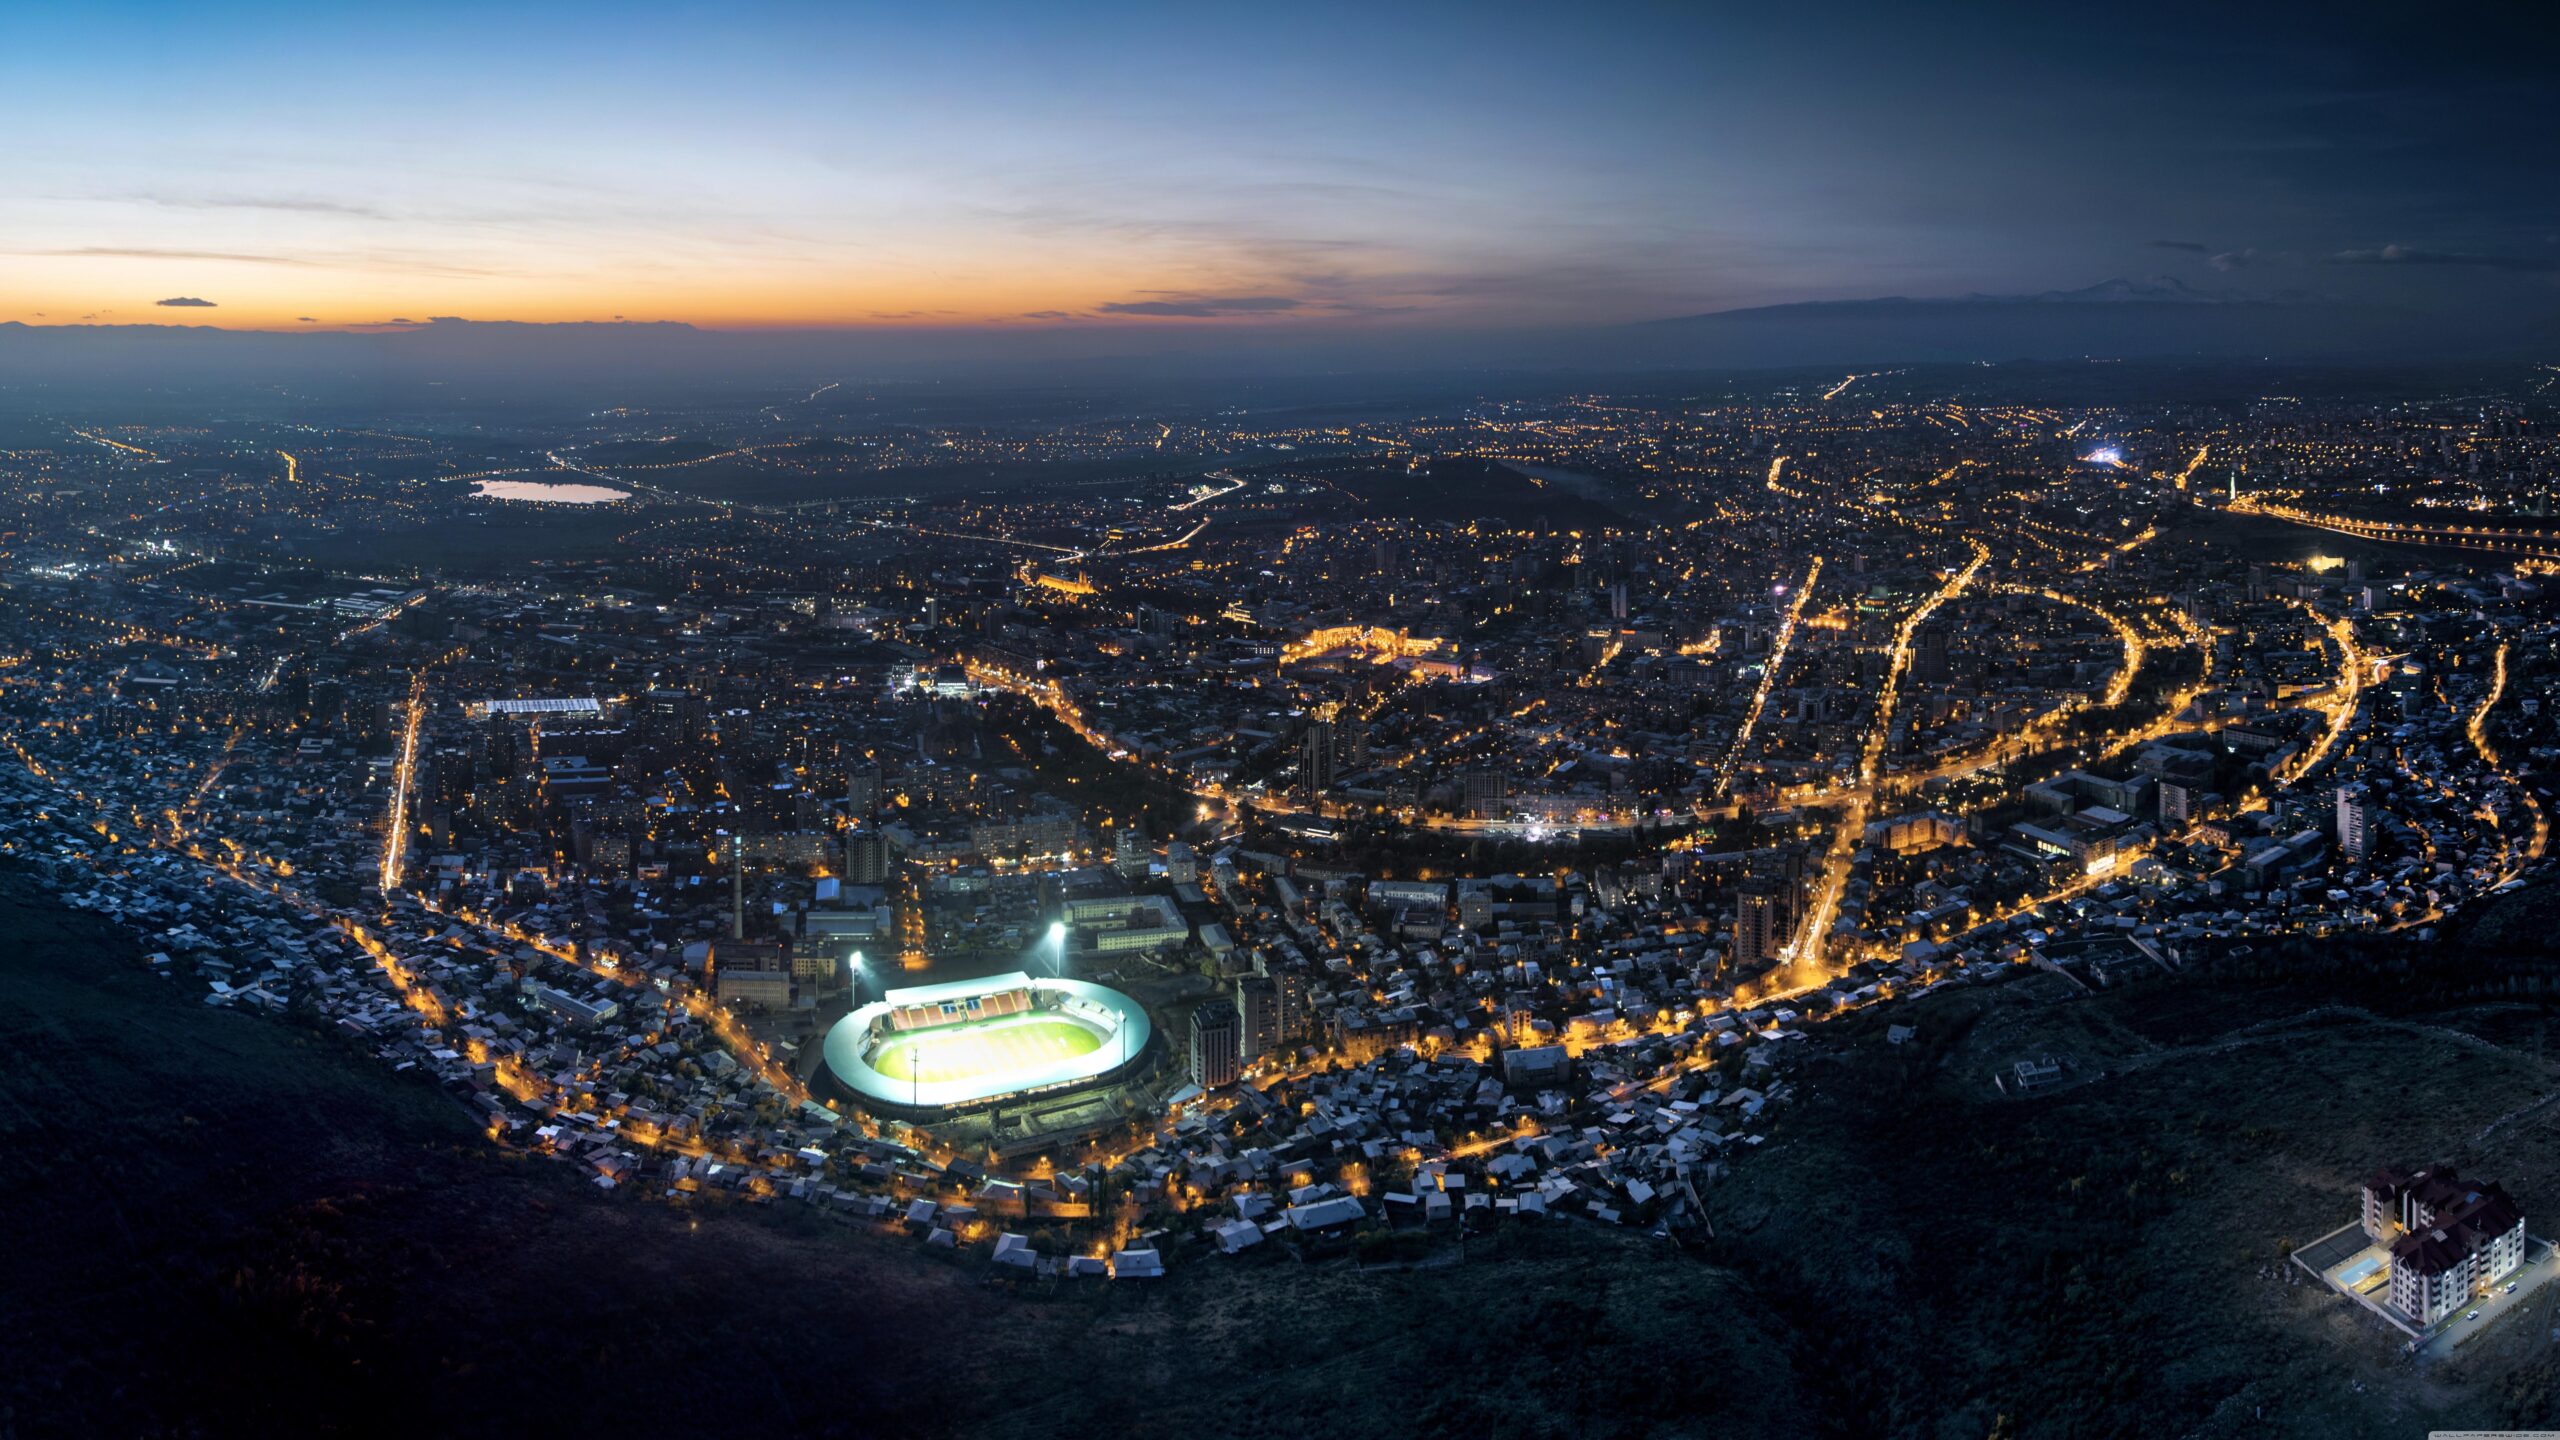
(97, 439)
(2478, 729)
(1053, 697)
(2045, 729)
(2539, 544)
(1233, 485)
(982, 539)
(1769, 670)
(2343, 697)
(2127, 547)
(2478, 725)
(395, 841)
(1178, 542)
(1048, 693)
(202, 649)
(1852, 824)
(367, 627)
(274, 879)
(2187, 474)
(677, 496)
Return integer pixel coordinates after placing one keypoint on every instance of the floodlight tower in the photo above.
(1058, 949)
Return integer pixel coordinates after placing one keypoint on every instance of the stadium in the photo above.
(934, 1050)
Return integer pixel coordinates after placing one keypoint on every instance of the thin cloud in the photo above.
(2230, 260)
(2406, 255)
(1203, 307)
(127, 252)
(351, 260)
(186, 302)
(290, 204)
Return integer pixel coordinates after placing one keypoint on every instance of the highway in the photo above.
(2537, 544)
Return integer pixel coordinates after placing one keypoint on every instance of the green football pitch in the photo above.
(972, 1051)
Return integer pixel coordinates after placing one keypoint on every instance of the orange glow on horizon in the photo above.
(994, 290)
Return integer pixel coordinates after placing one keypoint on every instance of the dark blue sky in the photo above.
(1039, 164)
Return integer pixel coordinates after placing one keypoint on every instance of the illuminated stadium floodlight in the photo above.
(1057, 948)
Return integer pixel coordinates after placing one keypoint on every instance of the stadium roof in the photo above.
(562, 705)
(957, 989)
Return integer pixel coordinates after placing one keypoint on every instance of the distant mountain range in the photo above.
(2158, 290)
(2157, 318)
(2163, 290)
(2118, 318)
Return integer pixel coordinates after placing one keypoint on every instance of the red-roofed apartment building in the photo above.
(2450, 1238)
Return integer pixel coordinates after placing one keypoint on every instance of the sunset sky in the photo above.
(1042, 164)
